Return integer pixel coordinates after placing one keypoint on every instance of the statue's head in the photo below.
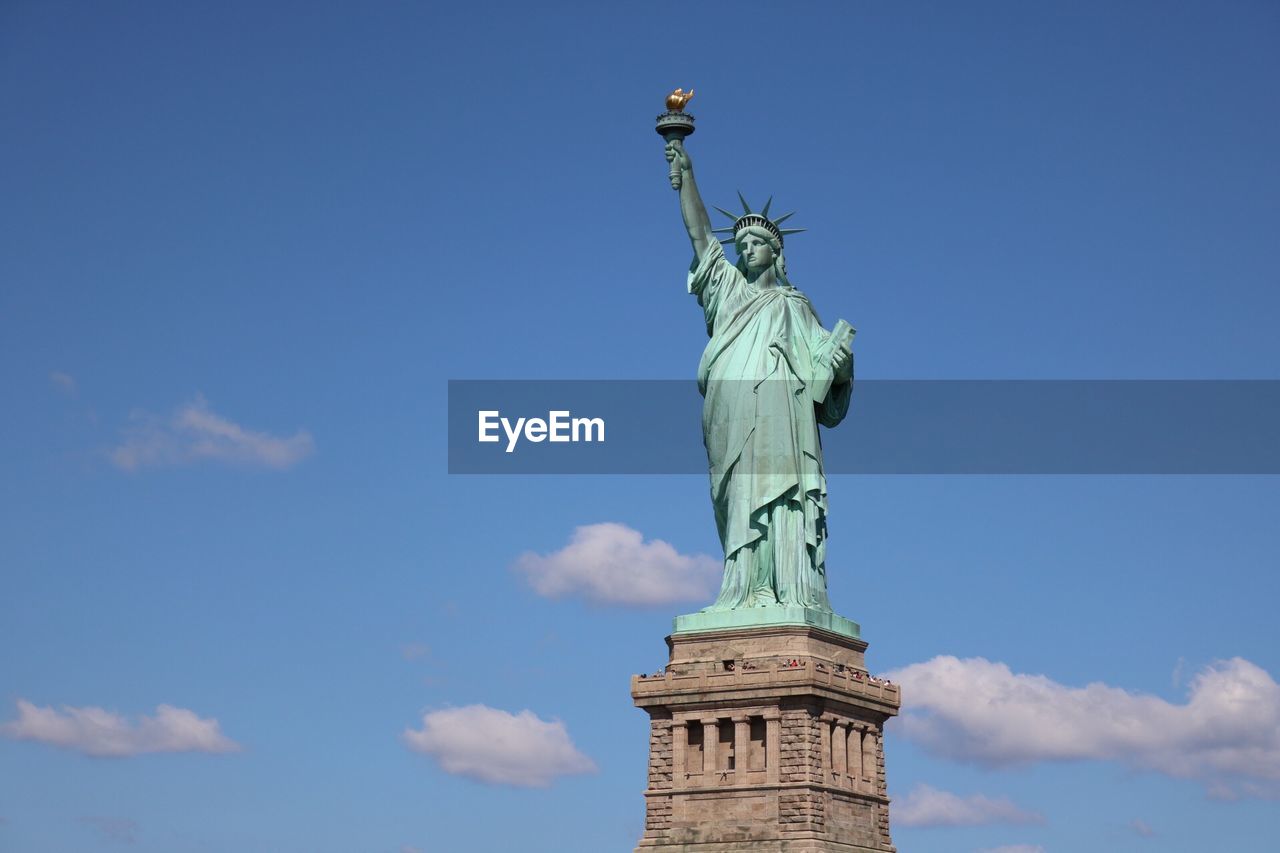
(757, 247)
(758, 239)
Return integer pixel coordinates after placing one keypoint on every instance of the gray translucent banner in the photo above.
(893, 427)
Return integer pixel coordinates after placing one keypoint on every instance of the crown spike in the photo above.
(750, 219)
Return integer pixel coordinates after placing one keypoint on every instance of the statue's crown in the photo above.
(761, 220)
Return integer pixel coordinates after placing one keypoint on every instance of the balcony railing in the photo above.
(802, 672)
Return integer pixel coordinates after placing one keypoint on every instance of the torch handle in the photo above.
(674, 174)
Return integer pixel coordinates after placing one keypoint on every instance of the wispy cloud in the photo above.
(928, 806)
(118, 829)
(612, 564)
(1226, 736)
(195, 432)
(100, 733)
(414, 651)
(1142, 828)
(498, 747)
(64, 382)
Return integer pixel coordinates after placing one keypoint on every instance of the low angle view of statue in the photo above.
(766, 729)
(770, 374)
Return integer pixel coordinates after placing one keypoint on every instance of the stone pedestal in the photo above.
(766, 739)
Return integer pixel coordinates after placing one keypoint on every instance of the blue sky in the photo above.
(243, 247)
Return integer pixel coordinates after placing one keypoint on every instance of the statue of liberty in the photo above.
(769, 375)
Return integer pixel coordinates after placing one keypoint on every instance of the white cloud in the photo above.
(1141, 827)
(498, 747)
(120, 829)
(1227, 735)
(612, 564)
(195, 432)
(1014, 848)
(101, 733)
(928, 806)
(414, 651)
(64, 382)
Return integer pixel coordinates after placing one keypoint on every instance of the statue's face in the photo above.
(756, 252)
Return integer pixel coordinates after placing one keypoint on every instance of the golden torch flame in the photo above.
(677, 99)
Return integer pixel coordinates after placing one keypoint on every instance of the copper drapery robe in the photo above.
(758, 376)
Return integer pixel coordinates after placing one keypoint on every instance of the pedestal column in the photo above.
(741, 749)
(679, 753)
(710, 749)
(839, 750)
(856, 733)
(869, 750)
(772, 747)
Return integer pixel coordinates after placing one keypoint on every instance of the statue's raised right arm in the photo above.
(696, 220)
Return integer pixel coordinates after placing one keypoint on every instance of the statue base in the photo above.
(761, 617)
(765, 739)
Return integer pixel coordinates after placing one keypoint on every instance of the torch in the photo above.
(674, 125)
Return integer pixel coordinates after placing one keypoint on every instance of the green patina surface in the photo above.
(758, 617)
(770, 375)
